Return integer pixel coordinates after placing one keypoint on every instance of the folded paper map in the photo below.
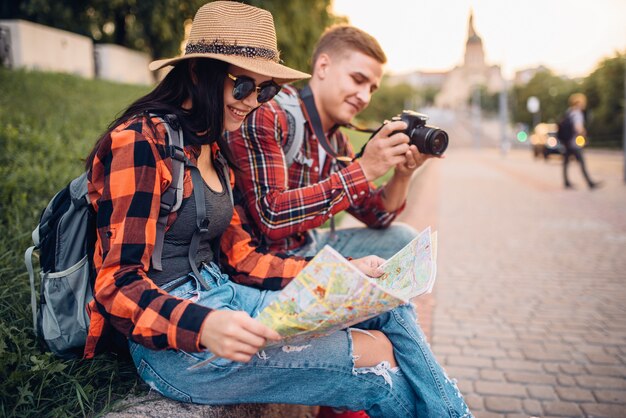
(330, 293)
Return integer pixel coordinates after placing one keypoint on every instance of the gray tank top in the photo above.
(177, 239)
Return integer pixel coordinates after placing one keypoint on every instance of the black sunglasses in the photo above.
(244, 86)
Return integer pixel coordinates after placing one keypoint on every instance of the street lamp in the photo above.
(476, 115)
(503, 110)
(624, 114)
(533, 106)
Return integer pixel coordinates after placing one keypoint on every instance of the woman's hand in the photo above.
(369, 265)
(234, 335)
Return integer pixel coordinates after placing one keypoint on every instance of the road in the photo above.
(529, 308)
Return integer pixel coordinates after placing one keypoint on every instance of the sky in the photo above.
(568, 36)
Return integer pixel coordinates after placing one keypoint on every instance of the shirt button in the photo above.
(316, 169)
(354, 196)
(362, 192)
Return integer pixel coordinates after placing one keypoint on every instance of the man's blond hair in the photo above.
(341, 38)
(578, 99)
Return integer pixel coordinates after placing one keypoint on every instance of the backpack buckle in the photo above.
(176, 152)
(172, 120)
(204, 225)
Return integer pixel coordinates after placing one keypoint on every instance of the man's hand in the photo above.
(234, 335)
(413, 160)
(385, 150)
(370, 265)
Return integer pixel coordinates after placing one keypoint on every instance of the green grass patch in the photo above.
(48, 124)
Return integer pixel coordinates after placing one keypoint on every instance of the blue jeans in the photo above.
(318, 372)
(358, 242)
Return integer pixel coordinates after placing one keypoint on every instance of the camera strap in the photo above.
(309, 103)
(338, 160)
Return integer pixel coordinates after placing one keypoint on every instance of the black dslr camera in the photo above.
(427, 139)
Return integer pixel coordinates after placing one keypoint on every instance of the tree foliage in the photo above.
(604, 88)
(299, 23)
(552, 92)
(388, 101)
(489, 101)
(157, 26)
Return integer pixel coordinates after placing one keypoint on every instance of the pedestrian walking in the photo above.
(571, 127)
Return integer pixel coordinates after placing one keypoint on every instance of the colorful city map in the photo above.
(330, 293)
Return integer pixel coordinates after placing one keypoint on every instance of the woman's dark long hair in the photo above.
(205, 88)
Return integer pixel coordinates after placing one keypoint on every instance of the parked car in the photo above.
(544, 141)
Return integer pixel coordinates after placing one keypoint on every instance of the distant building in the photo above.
(461, 81)
(456, 86)
(420, 79)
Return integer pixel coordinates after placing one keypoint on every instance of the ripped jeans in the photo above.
(318, 372)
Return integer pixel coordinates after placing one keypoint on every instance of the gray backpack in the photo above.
(295, 121)
(65, 239)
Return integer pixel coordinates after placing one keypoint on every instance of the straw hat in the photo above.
(238, 34)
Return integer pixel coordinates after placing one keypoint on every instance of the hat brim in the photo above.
(280, 73)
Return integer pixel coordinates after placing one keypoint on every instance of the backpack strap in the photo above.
(222, 165)
(290, 103)
(172, 198)
(28, 260)
(202, 222)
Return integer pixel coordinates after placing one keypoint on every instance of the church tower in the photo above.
(474, 54)
(463, 79)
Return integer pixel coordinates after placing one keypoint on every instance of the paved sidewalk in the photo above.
(530, 300)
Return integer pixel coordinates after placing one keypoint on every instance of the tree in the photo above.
(604, 88)
(157, 26)
(552, 92)
(299, 24)
(488, 101)
(388, 101)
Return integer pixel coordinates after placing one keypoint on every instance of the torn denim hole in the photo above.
(381, 369)
(295, 348)
(261, 354)
(362, 331)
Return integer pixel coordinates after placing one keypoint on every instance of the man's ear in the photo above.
(321, 66)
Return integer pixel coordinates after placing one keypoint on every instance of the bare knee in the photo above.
(372, 348)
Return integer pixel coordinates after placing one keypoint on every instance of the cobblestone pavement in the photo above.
(530, 305)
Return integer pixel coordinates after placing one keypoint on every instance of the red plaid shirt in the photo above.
(127, 178)
(284, 203)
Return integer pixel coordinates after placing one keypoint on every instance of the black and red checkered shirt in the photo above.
(128, 176)
(285, 202)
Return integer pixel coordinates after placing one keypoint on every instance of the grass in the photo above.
(48, 123)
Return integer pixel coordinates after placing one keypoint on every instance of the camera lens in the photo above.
(429, 140)
(437, 141)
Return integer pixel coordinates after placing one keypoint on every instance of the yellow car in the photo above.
(544, 141)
